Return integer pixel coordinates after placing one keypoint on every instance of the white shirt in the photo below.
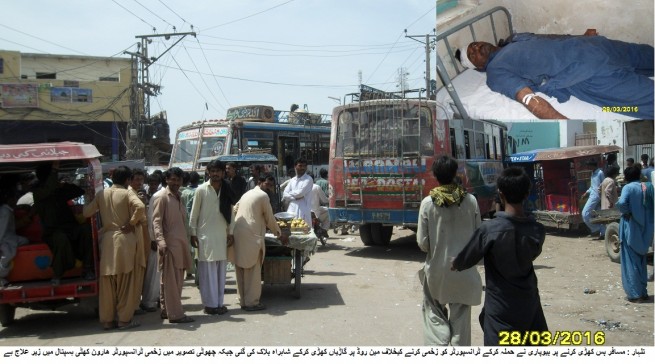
(318, 198)
(299, 195)
(208, 224)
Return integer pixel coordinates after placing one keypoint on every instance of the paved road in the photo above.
(360, 296)
(351, 295)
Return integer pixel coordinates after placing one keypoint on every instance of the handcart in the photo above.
(284, 262)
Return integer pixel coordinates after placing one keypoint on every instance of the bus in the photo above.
(255, 129)
(381, 151)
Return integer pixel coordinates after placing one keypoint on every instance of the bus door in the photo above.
(287, 152)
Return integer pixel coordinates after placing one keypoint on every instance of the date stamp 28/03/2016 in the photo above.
(541, 338)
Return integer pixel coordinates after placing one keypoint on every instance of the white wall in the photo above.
(630, 21)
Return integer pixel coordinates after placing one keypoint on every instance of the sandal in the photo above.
(130, 325)
(109, 325)
(183, 320)
(222, 310)
(257, 307)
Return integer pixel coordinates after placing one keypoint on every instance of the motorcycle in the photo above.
(321, 233)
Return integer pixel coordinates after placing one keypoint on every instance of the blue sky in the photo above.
(273, 52)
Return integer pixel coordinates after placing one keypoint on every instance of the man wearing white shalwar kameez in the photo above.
(298, 193)
(447, 219)
(209, 220)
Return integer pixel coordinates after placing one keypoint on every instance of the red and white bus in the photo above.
(381, 154)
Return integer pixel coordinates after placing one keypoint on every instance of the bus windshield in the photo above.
(212, 146)
(185, 151)
(385, 130)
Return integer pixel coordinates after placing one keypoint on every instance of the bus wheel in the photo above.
(381, 234)
(365, 234)
(7, 314)
(612, 243)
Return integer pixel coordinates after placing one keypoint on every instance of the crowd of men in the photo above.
(158, 230)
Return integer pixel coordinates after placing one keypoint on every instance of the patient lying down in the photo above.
(608, 73)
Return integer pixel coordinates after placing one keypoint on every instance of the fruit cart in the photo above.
(284, 262)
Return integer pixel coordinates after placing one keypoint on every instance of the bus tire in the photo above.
(7, 314)
(365, 234)
(612, 243)
(381, 234)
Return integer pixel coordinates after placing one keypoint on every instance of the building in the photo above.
(48, 98)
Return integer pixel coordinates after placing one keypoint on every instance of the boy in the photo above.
(509, 243)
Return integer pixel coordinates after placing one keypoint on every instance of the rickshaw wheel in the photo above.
(7, 314)
(612, 243)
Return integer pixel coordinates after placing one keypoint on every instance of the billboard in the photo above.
(14, 95)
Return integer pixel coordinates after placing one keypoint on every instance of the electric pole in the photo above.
(142, 89)
(428, 49)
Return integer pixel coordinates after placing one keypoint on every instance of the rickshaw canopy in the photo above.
(11, 153)
(562, 153)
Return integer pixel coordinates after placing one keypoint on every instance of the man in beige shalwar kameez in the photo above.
(121, 211)
(169, 224)
(246, 247)
(143, 238)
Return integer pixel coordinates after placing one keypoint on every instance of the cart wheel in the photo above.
(297, 274)
(7, 314)
(612, 243)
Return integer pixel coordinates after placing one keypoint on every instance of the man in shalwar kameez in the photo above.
(211, 213)
(635, 234)
(447, 218)
(298, 193)
(143, 238)
(121, 211)
(169, 224)
(246, 246)
(508, 244)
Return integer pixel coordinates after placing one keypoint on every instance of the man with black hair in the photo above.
(187, 199)
(169, 222)
(644, 160)
(122, 258)
(508, 244)
(601, 71)
(322, 181)
(210, 217)
(446, 219)
(246, 245)
(298, 193)
(635, 234)
(256, 170)
(237, 182)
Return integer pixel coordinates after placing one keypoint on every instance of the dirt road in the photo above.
(362, 296)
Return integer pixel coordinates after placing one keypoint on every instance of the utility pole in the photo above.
(428, 48)
(142, 89)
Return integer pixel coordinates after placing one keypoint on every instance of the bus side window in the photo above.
(467, 144)
(453, 143)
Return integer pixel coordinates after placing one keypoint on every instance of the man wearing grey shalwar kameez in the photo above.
(447, 219)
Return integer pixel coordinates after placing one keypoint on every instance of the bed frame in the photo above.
(444, 37)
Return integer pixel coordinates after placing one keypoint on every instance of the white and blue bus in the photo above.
(255, 129)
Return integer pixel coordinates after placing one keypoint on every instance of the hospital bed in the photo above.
(465, 94)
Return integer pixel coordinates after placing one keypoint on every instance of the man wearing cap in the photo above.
(608, 73)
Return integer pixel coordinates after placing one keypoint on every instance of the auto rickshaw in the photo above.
(560, 176)
(29, 281)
